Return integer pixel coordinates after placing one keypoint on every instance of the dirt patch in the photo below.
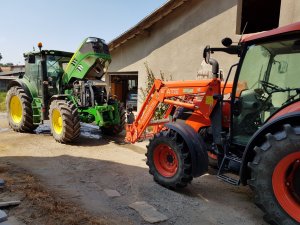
(38, 204)
(79, 174)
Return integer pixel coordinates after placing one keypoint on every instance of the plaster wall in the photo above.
(174, 46)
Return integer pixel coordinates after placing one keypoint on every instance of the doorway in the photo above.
(124, 86)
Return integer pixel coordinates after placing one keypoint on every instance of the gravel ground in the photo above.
(79, 173)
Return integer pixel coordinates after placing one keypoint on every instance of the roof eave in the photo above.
(146, 23)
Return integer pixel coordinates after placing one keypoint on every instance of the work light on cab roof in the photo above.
(40, 45)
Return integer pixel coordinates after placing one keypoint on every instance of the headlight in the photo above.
(92, 39)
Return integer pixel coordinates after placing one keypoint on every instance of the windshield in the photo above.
(55, 69)
(269, 80)
(56, 64)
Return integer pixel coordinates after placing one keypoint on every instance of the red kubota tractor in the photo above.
(250, 126)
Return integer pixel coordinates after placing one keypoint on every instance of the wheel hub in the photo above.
(165, 160)
(170, 159)
(286, 184)
(57, 122)
(293, 180)
(15, 108)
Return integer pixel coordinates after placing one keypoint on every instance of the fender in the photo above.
(259, 137)
(21, 84)
(58, 97)
(196, 146)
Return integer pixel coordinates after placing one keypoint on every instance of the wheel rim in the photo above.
(15, 109)
(286, 182)
(165, 160)
(57, 122)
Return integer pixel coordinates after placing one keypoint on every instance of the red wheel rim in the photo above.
(284, 183)
(165, 160)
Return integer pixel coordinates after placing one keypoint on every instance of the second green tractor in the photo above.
(66, 88)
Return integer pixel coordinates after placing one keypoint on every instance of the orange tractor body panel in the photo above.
(249, 127)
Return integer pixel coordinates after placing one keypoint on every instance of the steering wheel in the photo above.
(270, 88)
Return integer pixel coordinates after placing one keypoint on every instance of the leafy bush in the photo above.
(2, 101)
(161, 108)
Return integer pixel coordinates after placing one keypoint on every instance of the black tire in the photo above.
(26, 119)
(268, 160)
(116, 129)
(176, 152)
(70, 123)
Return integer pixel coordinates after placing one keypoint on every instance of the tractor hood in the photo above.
(90, 61)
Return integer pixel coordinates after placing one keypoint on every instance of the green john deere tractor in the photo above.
(67, 89)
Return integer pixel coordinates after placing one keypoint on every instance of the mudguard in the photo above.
(259, 138)
(21, 84)
(196, 147)
(59, 97)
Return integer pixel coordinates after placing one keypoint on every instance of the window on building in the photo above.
(257, 15)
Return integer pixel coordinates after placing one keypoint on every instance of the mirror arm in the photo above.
(233, 50)
(215, 67)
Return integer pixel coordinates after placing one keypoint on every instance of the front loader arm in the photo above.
(173, 93)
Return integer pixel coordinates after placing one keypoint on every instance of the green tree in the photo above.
(160, 110)
(0, 56)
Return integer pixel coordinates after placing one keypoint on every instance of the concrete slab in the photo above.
(12, 221)
(3, 216)
(112, 193)
(9, 203)
(2, 183)
(148, 212)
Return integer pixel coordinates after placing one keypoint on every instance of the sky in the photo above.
(63, 24)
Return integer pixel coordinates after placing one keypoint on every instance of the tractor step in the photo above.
(229, 180)
(229, 162)
(36, 111)
(234, 158)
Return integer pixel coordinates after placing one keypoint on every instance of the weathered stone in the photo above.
(148, 212)
(9, 203)
(3, 216)
(2, 183)
(112, 193)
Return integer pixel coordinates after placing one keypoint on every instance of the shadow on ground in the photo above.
(83, 180)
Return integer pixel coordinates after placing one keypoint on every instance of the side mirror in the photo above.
(227, 42)
(206, 54)
(31, 59)
(282, 67)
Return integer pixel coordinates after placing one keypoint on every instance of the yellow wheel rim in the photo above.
(57, 122)
(15, 109)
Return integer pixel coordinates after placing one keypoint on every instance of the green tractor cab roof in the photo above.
(50, 52)
(90, 61)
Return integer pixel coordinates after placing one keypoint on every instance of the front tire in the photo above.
(64, 121)
(169, 160)
(18, 105)
(275, 177)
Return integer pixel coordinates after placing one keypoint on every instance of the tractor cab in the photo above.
(55, 64)
(270, 74)
(267, 81)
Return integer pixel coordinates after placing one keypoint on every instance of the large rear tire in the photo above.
(64, 121)
(116, 129)
(18, 105)
(169, 160)
(275, 177)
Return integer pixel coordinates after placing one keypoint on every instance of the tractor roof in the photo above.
(50, 52)
(278, 31)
